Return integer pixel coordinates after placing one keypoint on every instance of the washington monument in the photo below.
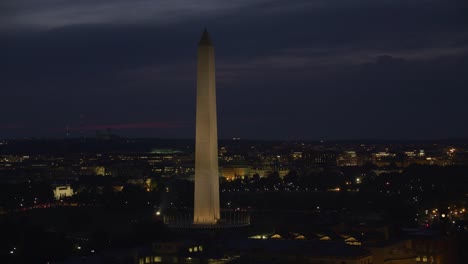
(206, 207)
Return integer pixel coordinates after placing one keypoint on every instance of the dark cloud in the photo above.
(286, 69)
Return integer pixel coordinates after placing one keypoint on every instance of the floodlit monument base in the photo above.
(229, 219)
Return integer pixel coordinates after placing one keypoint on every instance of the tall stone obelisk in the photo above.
(206, 207)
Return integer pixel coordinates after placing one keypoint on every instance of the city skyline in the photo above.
(350, 70)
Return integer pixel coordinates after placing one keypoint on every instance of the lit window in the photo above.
(200, 248)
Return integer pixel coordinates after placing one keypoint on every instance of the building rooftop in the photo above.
(297, 247)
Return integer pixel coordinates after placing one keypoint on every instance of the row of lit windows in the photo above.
(196, 249)
(424, 259)
(150, 259)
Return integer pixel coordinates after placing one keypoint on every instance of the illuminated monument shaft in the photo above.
(206, 207)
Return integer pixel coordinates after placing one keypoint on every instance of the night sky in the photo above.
(286, 69)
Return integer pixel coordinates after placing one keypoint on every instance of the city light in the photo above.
(98, 132)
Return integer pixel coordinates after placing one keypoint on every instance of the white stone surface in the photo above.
(206, 207)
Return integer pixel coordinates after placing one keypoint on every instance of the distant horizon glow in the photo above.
(284, 70)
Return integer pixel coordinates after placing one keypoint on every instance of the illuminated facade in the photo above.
(63, 191)
(206, 202)
(347, 159)
(231, 172)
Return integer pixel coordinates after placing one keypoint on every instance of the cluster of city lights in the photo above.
(13, 251)
(451, 213)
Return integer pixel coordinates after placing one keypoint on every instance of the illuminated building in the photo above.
(347, 159)
(234, 171)
(433, 247)
(327, 159)
(100, 170)
(206, 205)
(296, 155)
(62, 191)
(383, 158)
(265, 170)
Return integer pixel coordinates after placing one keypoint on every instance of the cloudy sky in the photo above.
(286, 69)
